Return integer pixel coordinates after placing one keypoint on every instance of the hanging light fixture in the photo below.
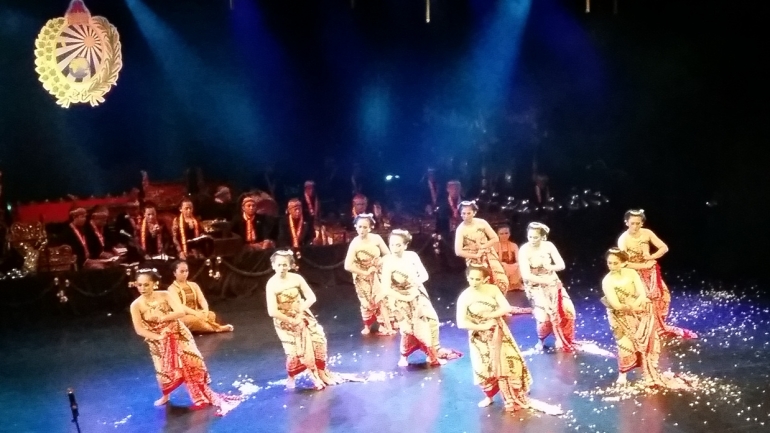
(427, 11)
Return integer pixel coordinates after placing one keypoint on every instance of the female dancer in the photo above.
(403, 275)
(495, 357)
(552, 307)
(508, 253)
(185, 228)
(197, 316)
(363, 261)
(289, 299)
(633, 321)
(155, 315)
(474, 240)
(636, 242)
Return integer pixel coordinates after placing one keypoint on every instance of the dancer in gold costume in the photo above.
(363, 261)
(508, 252)
(551, 304)
(289, 299)
(634, 323)
(475, 241)
(498, 365)
(403, 275)
(636, 241)
(155, 315)
(197, 316)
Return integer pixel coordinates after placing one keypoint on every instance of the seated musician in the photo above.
(311, 206)
(255, 229)
(360, 205)
(222, 208)
(153, 237)
(295, 231)
(75, 237)
(448, 213)
(383, 219)
(101, 244)
(129, 220)
(186, 228)
(430, 192)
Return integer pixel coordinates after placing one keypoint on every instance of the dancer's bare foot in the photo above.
(328, 378)
(200, 405)
(539, 346)
(161, 401)
(486, 402)
(559, 347)
(622, 379)
(318, 384)
(227, 328)
(402, 362)
(436, 362)
(366, 331)
(291, 383)
(512, 408)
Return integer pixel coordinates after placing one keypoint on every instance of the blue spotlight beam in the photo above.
(494, 57)
(213, 102)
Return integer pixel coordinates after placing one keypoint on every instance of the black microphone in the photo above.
(73, 404)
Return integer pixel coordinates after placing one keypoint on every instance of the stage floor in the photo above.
(110, 370)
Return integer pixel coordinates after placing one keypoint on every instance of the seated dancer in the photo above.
(254, 228)
(75, 237)
(311, 205)
(636, 242)
(155, 315)
(289, 299)
(633, 321)
(363, 261)
(508, 253)
(100, 244)
(197, 316)
(153, 237)
(295, 231)
(448, 211)
(495, 357)
(186, 228)
(403, 275)
(551, 305)
(475, 240)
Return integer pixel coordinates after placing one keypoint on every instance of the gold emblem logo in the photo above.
(78, 56)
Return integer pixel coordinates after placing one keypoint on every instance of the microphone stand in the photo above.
(74, 408)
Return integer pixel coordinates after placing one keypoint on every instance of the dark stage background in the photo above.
(662, 106)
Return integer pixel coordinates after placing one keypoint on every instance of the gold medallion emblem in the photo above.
(78, 56)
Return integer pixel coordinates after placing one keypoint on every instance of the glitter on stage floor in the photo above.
(111, 372)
